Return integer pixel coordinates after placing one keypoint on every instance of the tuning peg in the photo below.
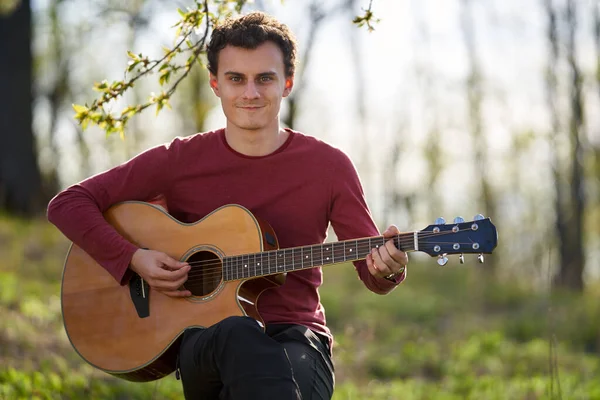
(459, 220)
(440, 221)
(480, 258)
(461, 258)
(442, 260)
(478, 217)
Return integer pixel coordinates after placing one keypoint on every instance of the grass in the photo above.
(446, 333)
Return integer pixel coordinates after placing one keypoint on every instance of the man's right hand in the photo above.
(162, 272)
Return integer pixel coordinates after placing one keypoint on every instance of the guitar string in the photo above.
(233, 261)
(360, 242)
(267, 257)
(216, 269)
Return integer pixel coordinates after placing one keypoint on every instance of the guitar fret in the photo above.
(297, 257)
(280, 260)
(241, 269)
(254, 265)
(354, 251)
(273, 263)
(322, 259)
(243, 263)
(339, 252)
(236, 268)
(247, 266)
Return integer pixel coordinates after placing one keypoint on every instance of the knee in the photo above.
(238, 326)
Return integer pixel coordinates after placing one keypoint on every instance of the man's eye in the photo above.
(235, 79)
(265, 79)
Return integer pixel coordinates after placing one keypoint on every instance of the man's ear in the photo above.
(289, 85)
(212, 80)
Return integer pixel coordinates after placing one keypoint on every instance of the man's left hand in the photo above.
(388, 259)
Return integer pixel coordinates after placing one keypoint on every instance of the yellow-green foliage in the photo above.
(446, 333)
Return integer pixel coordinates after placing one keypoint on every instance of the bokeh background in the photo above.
(448, 108)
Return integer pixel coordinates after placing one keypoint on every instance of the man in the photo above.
(295, 182)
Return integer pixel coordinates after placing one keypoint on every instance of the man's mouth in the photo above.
(250, 107)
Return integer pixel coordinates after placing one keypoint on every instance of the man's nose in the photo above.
(251, 90)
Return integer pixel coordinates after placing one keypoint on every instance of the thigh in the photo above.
(234, 359)
(199, 380)
(311, 363)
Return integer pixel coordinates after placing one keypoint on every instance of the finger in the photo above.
(161, 274)
(392, 230)
(398, 256)
(177, 293)
(171, 262)
(379, 262)
(371, 266)
(171, 285)
(389, 265)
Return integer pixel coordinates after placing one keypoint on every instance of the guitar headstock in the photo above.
(478, 236)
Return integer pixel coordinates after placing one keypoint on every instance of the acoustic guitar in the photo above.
(133, 332)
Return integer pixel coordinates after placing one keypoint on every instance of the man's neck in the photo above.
(255, 143)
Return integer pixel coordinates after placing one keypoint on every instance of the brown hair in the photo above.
(249, 32)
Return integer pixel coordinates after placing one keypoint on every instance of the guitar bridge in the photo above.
(140, 295)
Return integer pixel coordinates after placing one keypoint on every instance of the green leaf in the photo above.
(164, 77)
(80, 109)
(133, 56)
(132, 65)
(101, 87)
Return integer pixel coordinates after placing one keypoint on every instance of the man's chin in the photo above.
(252, 126)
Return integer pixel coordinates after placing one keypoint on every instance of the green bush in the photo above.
(445, 333)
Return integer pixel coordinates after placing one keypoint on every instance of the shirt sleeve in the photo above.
(78, 210)
(351, 219)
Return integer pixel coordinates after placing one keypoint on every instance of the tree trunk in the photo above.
(474, 88)
(560, 223)
(573, 260)
(20, 181)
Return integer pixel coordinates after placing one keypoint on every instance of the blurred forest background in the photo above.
(448, 108)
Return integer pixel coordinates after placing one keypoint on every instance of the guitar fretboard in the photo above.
(297, 258)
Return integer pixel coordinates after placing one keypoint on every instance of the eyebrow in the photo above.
(233, 73)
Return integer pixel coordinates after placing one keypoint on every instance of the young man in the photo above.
(296, 183)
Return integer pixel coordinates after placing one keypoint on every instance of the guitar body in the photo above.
(132, 331)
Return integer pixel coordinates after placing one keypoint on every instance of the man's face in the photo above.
(251, 85)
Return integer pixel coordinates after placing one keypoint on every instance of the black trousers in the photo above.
(236, 360)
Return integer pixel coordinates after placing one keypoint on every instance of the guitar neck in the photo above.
(297, 258)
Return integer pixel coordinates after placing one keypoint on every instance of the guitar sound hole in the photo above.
(206, 273)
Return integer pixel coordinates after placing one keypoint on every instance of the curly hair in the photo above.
(249, 32)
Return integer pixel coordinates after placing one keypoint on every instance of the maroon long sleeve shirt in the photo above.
(298, 189)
